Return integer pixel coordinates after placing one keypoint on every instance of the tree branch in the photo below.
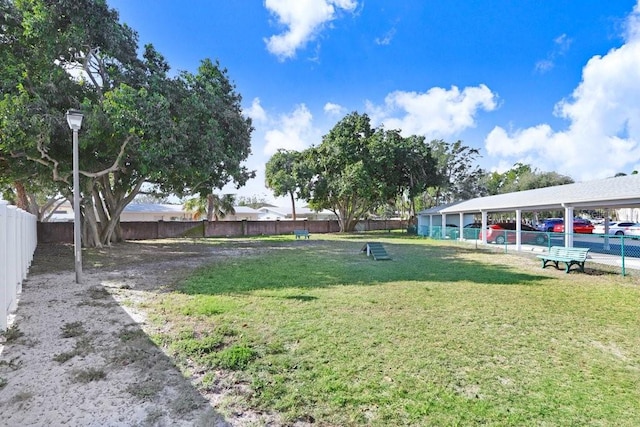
(87, 64)
(47, 161)
(116, 164)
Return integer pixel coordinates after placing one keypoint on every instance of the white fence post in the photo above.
(12, 257)
(18, 240)
(4, 266)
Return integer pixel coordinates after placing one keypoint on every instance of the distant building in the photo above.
(242, 213)
(286, 213)
(152, 212)
(62, 213)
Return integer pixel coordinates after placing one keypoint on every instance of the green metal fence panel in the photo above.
(618, 251)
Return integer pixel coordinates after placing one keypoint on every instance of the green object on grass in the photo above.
(376, 250)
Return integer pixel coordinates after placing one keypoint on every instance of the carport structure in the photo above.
(608, 193)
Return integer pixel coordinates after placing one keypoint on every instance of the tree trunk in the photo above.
(22, 201)
(412, 207)
(210, 208)
(349, 213)
(117, 232)
(107, 204)
(90, 230)
(116, 201)
(293, 205)
(51, 206)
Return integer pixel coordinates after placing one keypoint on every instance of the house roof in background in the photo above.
(153, 208)
(170, 208)
(300, 210)
(245, 210)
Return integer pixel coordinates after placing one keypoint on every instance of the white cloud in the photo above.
(292, 132)
(633, 24)
(256, 112)
(562, 43)
(544, 65)
(386, 39)
(603, 114)
(334, 110)
(437, 113)
(303, 19)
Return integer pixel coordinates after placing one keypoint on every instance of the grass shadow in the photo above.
(341, 262)
(301, 297)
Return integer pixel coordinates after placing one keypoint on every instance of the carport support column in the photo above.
(443, 229)
(606, 245)
(461, 226)
(484, 227)
(430, 226)
(518, 230)
(568, 226)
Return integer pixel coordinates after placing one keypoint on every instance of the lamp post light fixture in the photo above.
(74, 119)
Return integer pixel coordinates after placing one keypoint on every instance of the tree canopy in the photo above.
(183, 134)
(355, 169)
(286, 175)
(358, 169)
(459, 176)
(522, 177)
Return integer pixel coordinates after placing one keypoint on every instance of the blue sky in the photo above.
(555, 84)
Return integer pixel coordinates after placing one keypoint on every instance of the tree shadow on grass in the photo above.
(338, 263)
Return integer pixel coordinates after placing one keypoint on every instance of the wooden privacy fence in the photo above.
(18, 240)
(53, 232)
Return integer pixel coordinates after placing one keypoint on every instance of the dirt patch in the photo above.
(80, 355)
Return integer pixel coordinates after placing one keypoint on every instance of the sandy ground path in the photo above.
(77, 355)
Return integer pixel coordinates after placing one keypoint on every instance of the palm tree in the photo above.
(197, 206)
(219, 206)
(215, 207)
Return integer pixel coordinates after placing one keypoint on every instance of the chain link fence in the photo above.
(618, 251)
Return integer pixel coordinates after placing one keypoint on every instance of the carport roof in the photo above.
(618, 192)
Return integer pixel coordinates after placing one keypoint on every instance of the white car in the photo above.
(619, 228)
(633, 231)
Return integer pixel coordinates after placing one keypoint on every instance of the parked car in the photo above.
(582, 226)
(634, 231)
(471, 231)
(506, 232)
(547, 224)
(618, 228)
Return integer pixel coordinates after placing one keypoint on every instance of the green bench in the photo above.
(570, 257)
(301, 233)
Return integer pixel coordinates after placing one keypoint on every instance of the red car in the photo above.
(506, 232)
(582, 226)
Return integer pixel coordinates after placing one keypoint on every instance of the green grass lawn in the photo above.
(441, 335)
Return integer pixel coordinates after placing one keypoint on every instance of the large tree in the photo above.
(459, 176)
(286, 175)
(357, 168)
(406, 165)
(182, 134)
(31, 88)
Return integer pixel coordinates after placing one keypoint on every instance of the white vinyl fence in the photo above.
(18, 239)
